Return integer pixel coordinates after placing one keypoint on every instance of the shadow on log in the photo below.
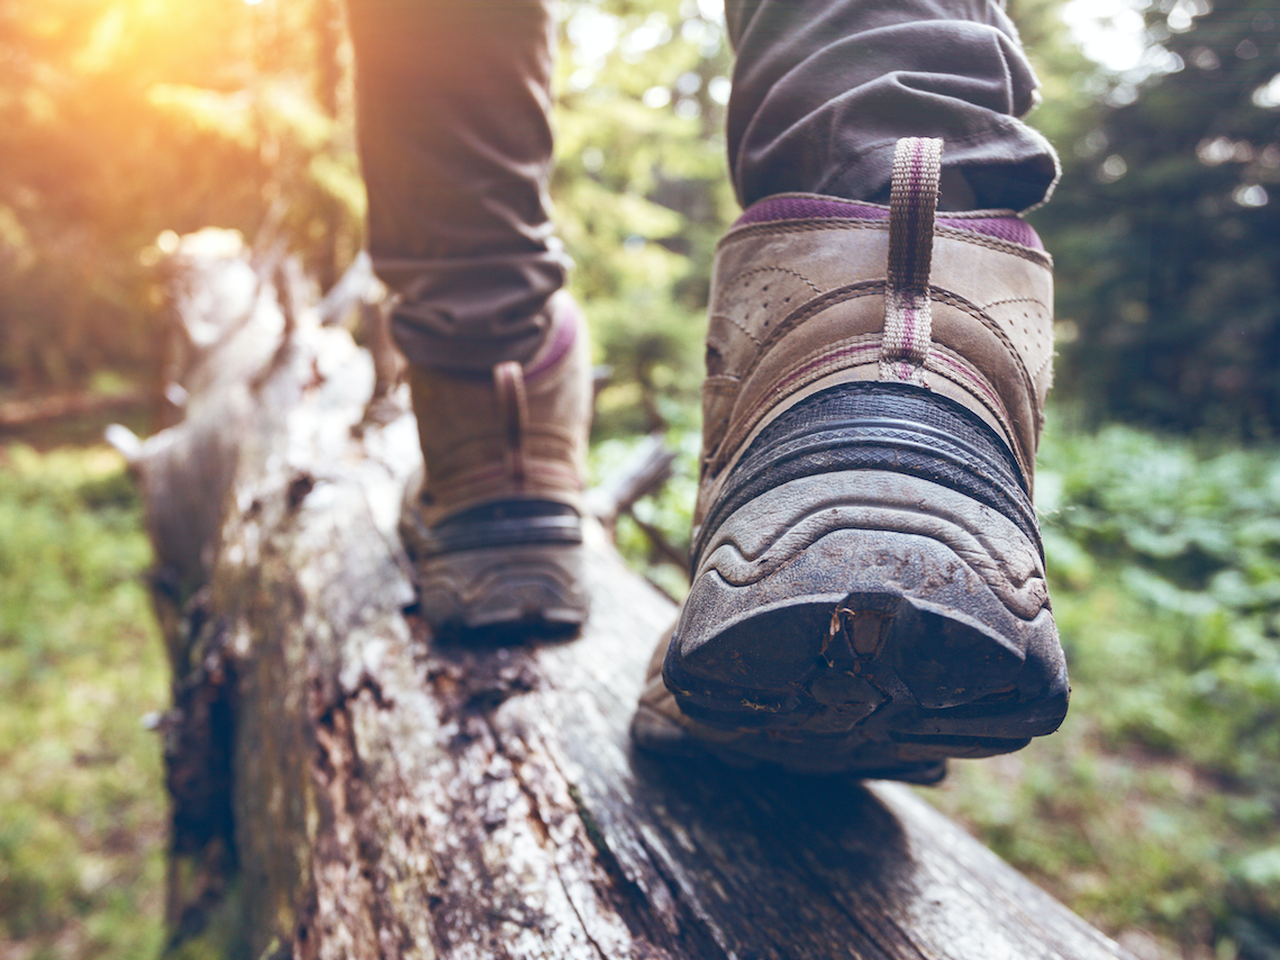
(346, 786)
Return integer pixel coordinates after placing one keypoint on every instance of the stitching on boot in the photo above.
(863, 288)
(1038, 257)
(773, 229)
(917, 166)
(954, 368)
(716, 459)
(1007, 300)
(973, 310)
(776, 269)
(810, 369)
(736, 324)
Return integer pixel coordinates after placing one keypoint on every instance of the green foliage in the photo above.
(641, 193)
(1166, 229)
(1195, 542)
(123, 118)
(82, 813)
(669, 511)
(1152, 811)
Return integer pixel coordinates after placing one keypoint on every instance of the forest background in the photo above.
(124, 123)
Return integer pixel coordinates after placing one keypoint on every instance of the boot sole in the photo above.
(508, 563)
(513, 585)
(866, 620)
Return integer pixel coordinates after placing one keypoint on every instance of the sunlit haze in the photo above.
(1109, 31)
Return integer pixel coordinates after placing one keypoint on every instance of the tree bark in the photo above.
(344, 785)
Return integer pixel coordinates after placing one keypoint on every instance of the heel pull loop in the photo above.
(513, 407)
(908, 319)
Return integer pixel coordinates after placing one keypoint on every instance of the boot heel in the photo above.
(519, 585)
(879, 613)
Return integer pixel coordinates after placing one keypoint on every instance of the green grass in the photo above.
(82, 808)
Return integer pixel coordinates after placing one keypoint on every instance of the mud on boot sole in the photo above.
(866, 620)
(870, 593)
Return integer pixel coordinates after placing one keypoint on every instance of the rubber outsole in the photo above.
(476, 589)
(514, 564)
(865, 621)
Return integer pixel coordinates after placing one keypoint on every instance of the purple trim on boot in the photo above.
(809, 208)
(565, 333)
(1010, 229)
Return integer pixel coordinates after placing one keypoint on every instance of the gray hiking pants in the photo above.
(453, 100)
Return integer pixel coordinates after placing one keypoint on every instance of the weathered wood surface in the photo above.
(355, 789)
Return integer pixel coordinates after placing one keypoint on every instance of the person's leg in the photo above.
(455, 142)
(455, 146)
(868, 586)
(823, 90)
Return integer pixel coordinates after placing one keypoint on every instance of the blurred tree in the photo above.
(641, 191)
(123, 118)
(1167, 228)
(1065, 72)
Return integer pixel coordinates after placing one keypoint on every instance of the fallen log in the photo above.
(21, 414)
(346, 785)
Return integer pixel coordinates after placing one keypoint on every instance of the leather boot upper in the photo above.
(800, 293)
(518, 432)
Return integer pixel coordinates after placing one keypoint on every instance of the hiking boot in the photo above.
(868, 590)
(496, 528)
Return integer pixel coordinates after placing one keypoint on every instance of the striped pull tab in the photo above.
(513, 407)
(908, 319)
